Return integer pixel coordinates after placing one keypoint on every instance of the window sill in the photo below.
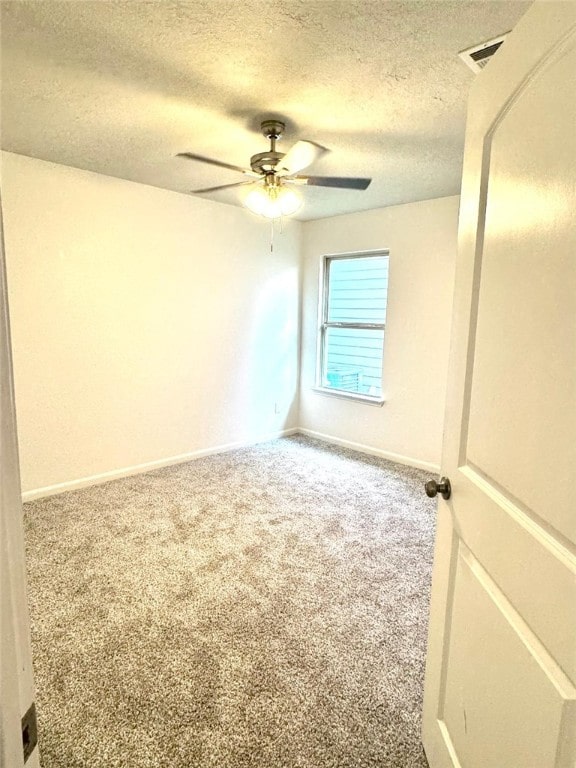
(342, 395)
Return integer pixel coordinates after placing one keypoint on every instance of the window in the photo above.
(352, 324)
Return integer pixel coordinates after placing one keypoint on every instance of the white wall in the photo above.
(421, 238)
(146, 324)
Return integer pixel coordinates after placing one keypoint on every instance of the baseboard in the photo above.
(115, 474)
(397, 457)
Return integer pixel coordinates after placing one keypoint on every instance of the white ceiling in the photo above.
(121, 87)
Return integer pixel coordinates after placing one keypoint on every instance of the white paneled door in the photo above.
(501, 674)
(17, 720)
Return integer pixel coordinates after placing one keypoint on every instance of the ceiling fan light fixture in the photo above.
(273, 201)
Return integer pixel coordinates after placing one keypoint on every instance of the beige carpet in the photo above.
(264, 608)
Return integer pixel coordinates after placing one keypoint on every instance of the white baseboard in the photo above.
(115, 474)
(397, 457)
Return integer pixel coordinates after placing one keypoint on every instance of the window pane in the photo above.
(357, 289)
(353, 360)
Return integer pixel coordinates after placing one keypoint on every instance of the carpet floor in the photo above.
(264, 608)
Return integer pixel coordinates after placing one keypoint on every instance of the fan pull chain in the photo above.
(281, 225)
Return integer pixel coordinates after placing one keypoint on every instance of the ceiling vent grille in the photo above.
(479, 55)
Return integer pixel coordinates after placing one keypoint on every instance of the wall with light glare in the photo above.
(421, 238)
(147, 326)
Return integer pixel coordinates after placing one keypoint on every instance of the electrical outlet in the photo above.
(276, 407)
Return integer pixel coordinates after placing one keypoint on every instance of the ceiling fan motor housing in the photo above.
(264, 162)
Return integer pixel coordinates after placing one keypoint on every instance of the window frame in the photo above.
(324, 324)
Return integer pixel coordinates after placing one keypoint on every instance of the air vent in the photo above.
(479, 55)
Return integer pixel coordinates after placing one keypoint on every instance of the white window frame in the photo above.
(324, 324)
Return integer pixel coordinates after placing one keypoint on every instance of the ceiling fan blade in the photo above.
(192, 156)
(300, 156)
(331, 181)
(222, 186)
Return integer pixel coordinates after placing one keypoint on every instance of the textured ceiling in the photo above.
(121, 87)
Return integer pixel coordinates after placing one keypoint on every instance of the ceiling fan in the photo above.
(272, 173)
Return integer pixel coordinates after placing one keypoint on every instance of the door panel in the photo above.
(524, 721)
(500, 686)
(524, 373)
(534, 571)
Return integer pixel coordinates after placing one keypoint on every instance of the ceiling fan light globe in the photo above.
(273, 202)
(289, 200)
(256, 201)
